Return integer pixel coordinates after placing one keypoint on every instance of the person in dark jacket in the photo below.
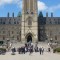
(19, 50)
(49, 49)
(13, 50)
(40, 50)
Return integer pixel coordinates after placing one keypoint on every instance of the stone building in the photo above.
(10, 28)
(28, 26)
(48, 28)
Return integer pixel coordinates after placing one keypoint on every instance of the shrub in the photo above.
(3, 49)
(56, 50)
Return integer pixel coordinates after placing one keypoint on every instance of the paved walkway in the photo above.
(34, 56)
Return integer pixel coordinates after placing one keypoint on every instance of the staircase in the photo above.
(44, 45)
(40, 44)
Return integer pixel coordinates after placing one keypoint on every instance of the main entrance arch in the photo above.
(29, 38)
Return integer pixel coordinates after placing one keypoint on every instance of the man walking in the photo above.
(40, 50)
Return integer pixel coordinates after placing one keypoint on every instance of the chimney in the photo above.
(13, 14)
(51, 14)
(8, 15)
(46, 14)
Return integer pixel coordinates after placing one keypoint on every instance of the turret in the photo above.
(8, 15)
(13, 14)
(46, 14)
(40, 14)
(51, 14)
(19, 14)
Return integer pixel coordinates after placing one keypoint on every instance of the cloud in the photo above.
(4, 2)
(19, 3)
(54, 8)
(41, 6)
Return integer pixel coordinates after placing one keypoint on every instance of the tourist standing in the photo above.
(40, 50)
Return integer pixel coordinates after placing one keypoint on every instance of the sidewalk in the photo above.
(34, 56)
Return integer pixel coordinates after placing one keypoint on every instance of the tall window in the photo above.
(55, 37)
(1, 21)
(9, 21)
(9, 33)
(17, 37)
(3, 37)
(50, 22)
(12, 37)
(4, 22)
(29, 21)
(12, 32)
(50, 33)
(3, 32)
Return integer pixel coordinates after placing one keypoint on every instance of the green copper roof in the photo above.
(19, 14)
(40, 14)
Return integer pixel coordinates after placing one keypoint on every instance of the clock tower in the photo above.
(29, 23)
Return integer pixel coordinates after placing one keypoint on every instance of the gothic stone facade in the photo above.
(48, 28)
(30, 26)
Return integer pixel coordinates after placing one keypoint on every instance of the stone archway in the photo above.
(29, 38)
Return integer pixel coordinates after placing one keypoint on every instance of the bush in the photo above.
(2, 50)
(56, 50)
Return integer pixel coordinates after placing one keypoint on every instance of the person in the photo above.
(49, 49)
(24, 49)
(30, 50)
(40, 50)
(19, 50)
(36, 48)
(13, 51)
(29, 43)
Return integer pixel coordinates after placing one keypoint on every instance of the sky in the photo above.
(16, 6)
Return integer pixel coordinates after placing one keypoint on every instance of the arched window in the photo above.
(55, 37)
(9, 21)
(29, 22)
(3, 37)
(17, 37)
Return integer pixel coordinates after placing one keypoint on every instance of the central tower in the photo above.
(29, 25)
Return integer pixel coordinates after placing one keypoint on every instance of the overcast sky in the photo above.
(16, 6)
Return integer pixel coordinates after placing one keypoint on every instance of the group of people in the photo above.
(41, 50)
(28, 47)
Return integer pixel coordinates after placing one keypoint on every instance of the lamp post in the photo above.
(51, 40)
(48, 38)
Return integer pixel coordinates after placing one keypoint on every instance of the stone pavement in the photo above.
(34, 56)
